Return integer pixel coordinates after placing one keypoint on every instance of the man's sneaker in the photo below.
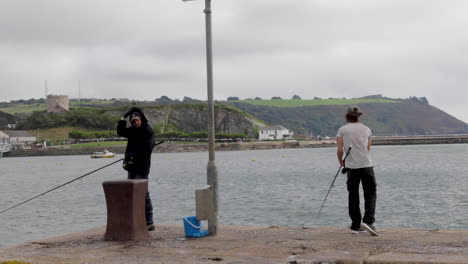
(357, 230)
(370, 228)
(150, 227)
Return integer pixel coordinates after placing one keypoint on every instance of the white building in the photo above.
(4, 138)
(18, 138)
(4, 143)
(274, 132)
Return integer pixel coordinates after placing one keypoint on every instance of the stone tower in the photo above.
(57, 103)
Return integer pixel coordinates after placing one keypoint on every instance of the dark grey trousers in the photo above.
(369, 186)
(148, 204)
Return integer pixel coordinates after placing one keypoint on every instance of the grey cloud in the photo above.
(323, 48)
(138, 76)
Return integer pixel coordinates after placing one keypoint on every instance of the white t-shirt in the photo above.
(356, 135)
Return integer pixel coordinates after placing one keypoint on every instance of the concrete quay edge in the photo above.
(250, 244)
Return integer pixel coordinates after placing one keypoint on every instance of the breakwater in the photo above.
(172, 147)
(177, 147)
(419, 140)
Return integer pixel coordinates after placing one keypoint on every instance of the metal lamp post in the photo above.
(212, 171)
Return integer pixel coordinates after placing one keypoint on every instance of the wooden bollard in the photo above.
(125, 201)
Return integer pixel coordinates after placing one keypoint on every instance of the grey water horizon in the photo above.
(419, 186)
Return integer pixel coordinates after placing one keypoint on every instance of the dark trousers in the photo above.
(148, 204)
(369, 186)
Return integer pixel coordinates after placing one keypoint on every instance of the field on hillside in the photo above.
(55, 134)
(22, 109)
(29, 108)
(299, 103)
(99, 103)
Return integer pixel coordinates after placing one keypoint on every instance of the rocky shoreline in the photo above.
(177, 147)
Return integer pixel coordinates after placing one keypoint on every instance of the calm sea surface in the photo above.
(422, 186)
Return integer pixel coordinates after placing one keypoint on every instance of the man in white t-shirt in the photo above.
(359, 169)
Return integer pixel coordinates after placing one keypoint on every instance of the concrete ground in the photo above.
(250, 245)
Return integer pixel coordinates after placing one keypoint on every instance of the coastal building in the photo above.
(4, 138)
(274, 132)
(18, 139)
(4, 143)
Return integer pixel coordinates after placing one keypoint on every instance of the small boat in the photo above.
(103, 154)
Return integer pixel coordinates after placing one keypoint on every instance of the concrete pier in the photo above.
(252, 244)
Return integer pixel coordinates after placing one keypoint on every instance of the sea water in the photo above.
(419, 186)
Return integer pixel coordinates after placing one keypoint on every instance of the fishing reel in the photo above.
(128, 163)
(344, 170)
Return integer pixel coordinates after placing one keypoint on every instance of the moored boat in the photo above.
(103, 154)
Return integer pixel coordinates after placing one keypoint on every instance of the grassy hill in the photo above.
(180, 117)
(384, 116)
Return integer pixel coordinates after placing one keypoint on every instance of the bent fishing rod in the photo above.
(341, 166)
(60, 186)
(82, 176)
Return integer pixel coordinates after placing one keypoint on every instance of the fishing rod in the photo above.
(82, 176)
(157, 143)
(61, 185)
(341, 166)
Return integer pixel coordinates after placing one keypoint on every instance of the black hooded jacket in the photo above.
(140, 142)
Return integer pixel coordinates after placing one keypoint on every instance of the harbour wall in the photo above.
(176, 147)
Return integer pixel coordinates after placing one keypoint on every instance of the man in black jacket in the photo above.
(140, 145)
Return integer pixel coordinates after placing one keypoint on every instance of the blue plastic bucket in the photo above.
(193, 227)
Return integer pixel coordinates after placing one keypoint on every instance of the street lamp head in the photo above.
(187, 0)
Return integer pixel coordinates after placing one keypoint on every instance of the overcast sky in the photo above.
(313, 48)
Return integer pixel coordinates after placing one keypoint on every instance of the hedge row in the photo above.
(97, 134)
(199, 135)
(168, 135)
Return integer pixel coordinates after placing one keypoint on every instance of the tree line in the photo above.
(86, 118)
(173, 135)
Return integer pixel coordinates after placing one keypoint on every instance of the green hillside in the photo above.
(54, 134)
(386, 117)
(5, 119)
(22, 109)
(179, 117)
